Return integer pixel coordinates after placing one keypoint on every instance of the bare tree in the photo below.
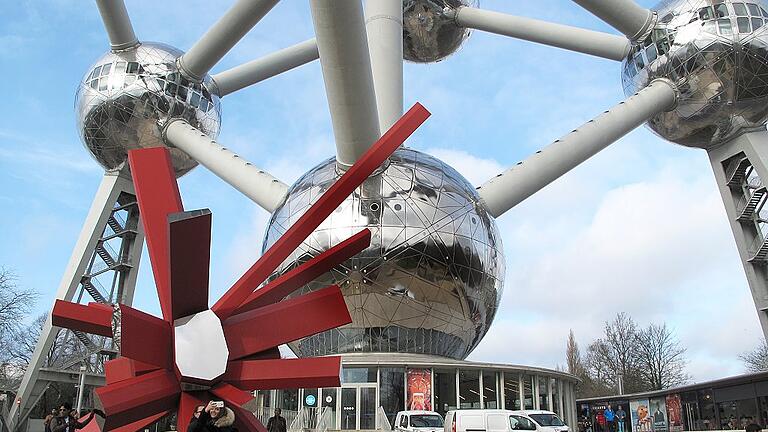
(15, 303)
(757, 359)
(614, 356)
(661, 358)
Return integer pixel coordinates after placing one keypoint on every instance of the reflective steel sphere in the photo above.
(124, 95)
(431, 280)
(428, 35)
(717, 54)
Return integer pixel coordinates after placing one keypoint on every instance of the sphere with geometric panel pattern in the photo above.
(429, 35)
(431, 280)
(716, 52)
(126, 95)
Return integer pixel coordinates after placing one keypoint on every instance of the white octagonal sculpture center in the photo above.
(200, 347)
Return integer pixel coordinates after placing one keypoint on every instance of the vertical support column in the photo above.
(384, 25)
(521, 392)
(112, 186)
(743, 198)
(482, 393)
(503, 397)
(535, 384)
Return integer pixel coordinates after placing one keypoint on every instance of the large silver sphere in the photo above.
(428, 35)
(125, 94)
(718, 57)
(432, 278)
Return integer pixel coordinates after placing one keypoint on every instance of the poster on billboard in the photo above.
(419, 389)
(674, 413)
(658, 411)
(641, 418)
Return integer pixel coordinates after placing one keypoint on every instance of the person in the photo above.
(65, 422)
(621, 417)
(609, 418)
(213, 418)
(276, 423)
(48, 418)
(753, 427)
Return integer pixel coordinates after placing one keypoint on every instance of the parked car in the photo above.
(487, 420)
(545, 421)
(418, 421)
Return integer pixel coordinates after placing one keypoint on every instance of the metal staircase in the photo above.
(748, 204)
(736, 171)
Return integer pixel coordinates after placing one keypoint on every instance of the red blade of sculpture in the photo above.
(145, 338)
(187, 404)
(257, 330)
(158, 196)
(131, 427)
(320, 210)
(123, 368)
(137, 398)
(235, 399)
(190, 257)
(88, 319)
(291, 281)
(285, 373)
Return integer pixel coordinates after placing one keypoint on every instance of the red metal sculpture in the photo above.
(195, 353)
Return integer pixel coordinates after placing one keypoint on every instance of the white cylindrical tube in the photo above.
(511, 187)
(346, 65)
(258, 70)
(625, 16)
(258, 185)
(118, 24)
(384, 25)
(571, 38)
(222, 36)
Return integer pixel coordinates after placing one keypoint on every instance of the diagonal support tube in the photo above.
(346, 65)
(625, 16)
(384, 26)
(118, 24)
(222, 36)
(590, 42)
(511, 187)
(258, 70)
(258, 185)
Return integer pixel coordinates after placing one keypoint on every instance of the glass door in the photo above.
(348, 408)
(367, 408)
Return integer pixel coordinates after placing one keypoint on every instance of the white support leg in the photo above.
(111, 187)
(625, 16)
(508, 189)
(118, 24)
(258, 185)
(220, 38)
(590, 42)
(346, 65)
(266, 67)
(741, 171)
(384, 26)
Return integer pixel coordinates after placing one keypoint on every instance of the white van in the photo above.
(545, 421)
(487, 420)
(418, 421)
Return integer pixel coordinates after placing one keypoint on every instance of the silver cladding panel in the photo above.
(428, 35)
(432, 278)
(125, 94)
(718, 57)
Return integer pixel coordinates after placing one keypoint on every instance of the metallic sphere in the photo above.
(717, 54)
(428, 34)
(125, 94)
(432, 278)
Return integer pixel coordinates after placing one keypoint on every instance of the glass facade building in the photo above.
(726, 404)
(376, 386)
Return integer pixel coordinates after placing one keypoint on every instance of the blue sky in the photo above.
(639, 228)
